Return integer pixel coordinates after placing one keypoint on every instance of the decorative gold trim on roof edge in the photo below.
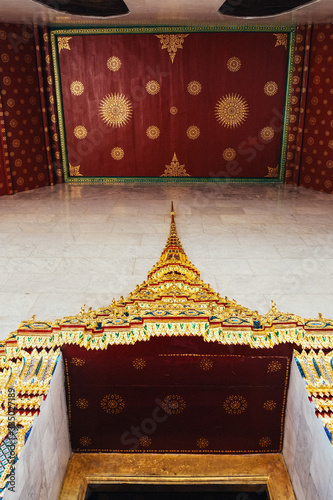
(172, 301)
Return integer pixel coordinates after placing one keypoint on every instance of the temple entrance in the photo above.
(176, 492)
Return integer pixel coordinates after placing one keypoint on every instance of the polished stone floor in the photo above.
(63, 246)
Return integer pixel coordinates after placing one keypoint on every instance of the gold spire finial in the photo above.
(172, 213)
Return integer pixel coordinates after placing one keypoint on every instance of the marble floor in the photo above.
(63, 246)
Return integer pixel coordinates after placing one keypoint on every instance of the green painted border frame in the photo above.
(65, 31)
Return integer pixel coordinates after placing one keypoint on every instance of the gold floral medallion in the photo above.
(78, 361)
(85, 441)
(82, 403)
(274, 366)
(139, 363)
(231, 110)
(77, 88)
(173, 404)
(153, 87)
(193, 132)
(202, 443)
(80, 132)
(113, 403)
(117, 153)
(235, 404)
(194, 87)
(267, 133)
(264, 442)
(153, 132)
(145, 441)
(116, 110)
(7, 80)
(234, 64)
(270, 88)
(113, 63)
(173, 110)
(229, 154)
(206, 364)
(269, 405)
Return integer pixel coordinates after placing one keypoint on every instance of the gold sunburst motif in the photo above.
(229, 154)
(117, 153)
(78, 361)
(153, 132)
(202, 443)
(173, 404)
(269, 405)
(274, 366)
(172, 43)
(194, 87)
(173, 110)
(270, 88)
(74, 172)
(267, 133)
(273, 172)
(85, 441)
(63, 42)
(206, 364)
(77, 88)
(235, 404)
(113, 403)
(281, 39)
(115, 110)
(193, 132)
(82, 403)
(231, 110)
(145, 441)
(153, 87)
(234, 64)
(139, 363)
(264, 442)
(113, 63)
(175, 169)
(80, 132)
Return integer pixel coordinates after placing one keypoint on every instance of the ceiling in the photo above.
(155, 12)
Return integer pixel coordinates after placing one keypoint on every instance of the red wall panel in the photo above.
(20, 94)
(317, 153)
(243, 72)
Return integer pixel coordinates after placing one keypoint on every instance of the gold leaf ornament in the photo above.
(175, 169)
(63, 43)
(172, 43)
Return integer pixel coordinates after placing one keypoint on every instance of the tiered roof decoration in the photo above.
(173, 301)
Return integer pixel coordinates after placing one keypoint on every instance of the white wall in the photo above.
(41, 467)
(306, 449)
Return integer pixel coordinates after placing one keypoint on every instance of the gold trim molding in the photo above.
(99, 468)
